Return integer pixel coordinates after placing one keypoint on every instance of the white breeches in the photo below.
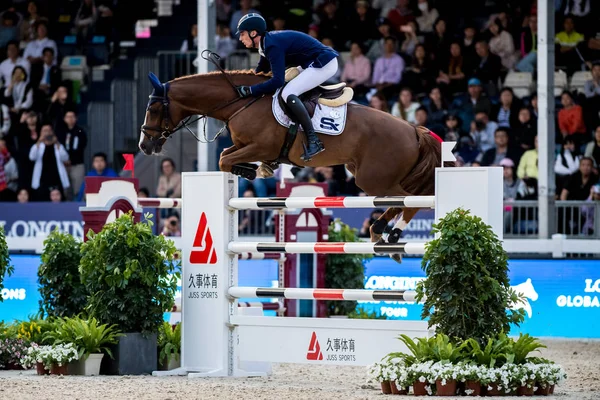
(310, 78)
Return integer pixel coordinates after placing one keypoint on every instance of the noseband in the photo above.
(166, 132)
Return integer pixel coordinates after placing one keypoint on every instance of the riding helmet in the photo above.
(252, 22)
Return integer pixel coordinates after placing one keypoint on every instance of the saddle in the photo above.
(330, 95)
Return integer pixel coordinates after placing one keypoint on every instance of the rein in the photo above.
(165, 132)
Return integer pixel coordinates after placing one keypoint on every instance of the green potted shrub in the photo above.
(169, 346)
(467, 293)
(91, 339)
(61, 291)
(131, 277)
(345, 271)
(5, 268)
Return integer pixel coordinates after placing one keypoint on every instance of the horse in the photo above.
(386, 155)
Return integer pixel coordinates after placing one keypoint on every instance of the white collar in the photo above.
(260, 49)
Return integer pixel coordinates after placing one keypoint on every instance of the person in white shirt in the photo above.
(5, 121)
(49, 168)
(34, 50)
(405, 107)
(19, 91)
(8, 66)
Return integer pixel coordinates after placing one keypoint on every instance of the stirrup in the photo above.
(306, 157)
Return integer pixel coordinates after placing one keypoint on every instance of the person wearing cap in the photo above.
(316, 63)
(376, 49)
(477, 102)
(511, 182)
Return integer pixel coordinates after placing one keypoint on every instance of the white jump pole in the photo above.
(221, 339)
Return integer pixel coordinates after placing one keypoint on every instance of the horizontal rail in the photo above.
(264, 306)
(259, 203)
(261, 256)
(160, 202)
(323, 294)
(328, 247)
(177, 308)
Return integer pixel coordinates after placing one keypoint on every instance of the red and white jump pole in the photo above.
(329, 247)
(257, 203)
(323, 294)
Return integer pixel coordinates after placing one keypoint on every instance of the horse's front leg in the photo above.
(227, 151)
(238, 161)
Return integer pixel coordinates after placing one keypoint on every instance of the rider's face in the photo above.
(245, 39)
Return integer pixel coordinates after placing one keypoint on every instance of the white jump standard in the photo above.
(219, 338)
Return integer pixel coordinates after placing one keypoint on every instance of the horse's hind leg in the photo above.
(376, 230)
(406, 216)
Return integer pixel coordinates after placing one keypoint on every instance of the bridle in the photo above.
(165, 132)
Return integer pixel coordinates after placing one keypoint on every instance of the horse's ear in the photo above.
(155, 82)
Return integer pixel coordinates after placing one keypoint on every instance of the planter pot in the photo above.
(494, 390)
(174, 362)
(386, 387)
(473, 386)
(449, 389)
(419, 388)
(398, 390)
(134, 355)
(542, 391)
(551, 389)
(12, 366)
(59, 370)
(524, 391)
(91, 364)
(40, 369)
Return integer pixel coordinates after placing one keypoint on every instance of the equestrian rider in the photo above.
(317, 63)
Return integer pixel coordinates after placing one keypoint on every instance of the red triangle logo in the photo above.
(203, 240)
(314, 349)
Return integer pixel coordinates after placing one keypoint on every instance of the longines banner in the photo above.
(563, 296)
(39, 219)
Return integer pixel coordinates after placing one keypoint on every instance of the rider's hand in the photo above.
(244, 91)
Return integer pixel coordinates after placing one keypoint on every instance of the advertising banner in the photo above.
(419, 227)
(562, 296)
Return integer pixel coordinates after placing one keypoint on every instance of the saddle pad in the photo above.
(326, 120)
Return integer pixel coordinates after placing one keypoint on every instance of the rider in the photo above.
(279, 49)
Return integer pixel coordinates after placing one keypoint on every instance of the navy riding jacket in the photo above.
(289, 48)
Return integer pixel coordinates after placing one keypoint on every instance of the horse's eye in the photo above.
(153, 111)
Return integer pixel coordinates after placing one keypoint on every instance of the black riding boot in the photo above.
(314, 144)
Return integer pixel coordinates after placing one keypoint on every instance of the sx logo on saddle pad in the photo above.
(204, 241)
(314, 349)
(329, 123)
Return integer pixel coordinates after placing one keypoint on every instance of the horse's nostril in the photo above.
(143, 146)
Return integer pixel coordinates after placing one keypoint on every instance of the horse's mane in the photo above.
(233, 72)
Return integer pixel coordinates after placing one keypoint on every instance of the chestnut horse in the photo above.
(386, 155)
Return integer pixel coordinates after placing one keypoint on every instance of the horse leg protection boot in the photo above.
(314, 144)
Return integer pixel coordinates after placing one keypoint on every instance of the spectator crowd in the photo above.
(41, 145)
(440, 64)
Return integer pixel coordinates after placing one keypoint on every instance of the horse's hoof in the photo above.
(394, 235)
(267, 170)
(245, 170)
(397, 258)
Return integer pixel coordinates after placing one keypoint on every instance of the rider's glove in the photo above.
(244, 91)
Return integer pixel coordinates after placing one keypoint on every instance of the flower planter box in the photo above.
(59, 369)
(473, 387)
(525, 391)
(39, 367)
(542, 391)
(134, 355)
(398, 390)
(492, 390)
(386, 387)
(449, 389)
(420, 388)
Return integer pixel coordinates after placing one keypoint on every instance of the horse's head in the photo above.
(158, 122)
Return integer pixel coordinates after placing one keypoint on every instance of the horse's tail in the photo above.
(421, 180)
